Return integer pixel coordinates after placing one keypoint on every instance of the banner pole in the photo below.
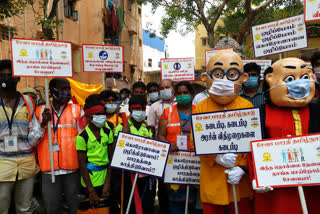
(122, 191)
(132, 191)
(103, 81)
(235, 199)
(302, 200)
(187, 200)
(49, 131)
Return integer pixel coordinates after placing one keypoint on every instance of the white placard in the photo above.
(41, 58)
(226, 131)
(279, 36)
(311, 10)
(140, 154)
(180, 69)
(287, 162)
(263, 63)
(211, 53)
(182, 168)
(102, 58)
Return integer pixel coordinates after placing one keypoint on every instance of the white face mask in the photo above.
(138, 115)
(166, 94)
(99, 120)
(110, 108)
(154, 96)
(222, 87)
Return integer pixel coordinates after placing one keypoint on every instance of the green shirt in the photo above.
(143, 130)
(97, 152)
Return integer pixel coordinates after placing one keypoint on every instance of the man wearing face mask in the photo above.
(153, 92)
(64, 123)
(251, 90)
(20, 132)
(224, 78)
(109, 97)
(167, 99)
(94, 146)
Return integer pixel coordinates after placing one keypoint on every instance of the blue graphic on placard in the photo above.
(103, 55)
(177, 66)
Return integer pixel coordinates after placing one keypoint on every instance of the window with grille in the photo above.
(4, 34)
(149, 62)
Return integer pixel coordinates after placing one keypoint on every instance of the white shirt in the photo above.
(200, 97)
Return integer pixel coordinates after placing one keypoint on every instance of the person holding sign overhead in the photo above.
(175, 128)
(94, 146)
(224, 78)
(20, 132)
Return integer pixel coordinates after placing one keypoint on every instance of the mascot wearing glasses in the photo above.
(224, 79)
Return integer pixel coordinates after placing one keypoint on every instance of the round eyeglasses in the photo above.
(232, 74)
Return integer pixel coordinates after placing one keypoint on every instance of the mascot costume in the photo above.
(224, 79)
(289, 86)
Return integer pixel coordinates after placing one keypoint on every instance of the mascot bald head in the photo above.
(290, 83)
(224, 76)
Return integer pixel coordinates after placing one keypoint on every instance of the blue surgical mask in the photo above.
(154, 96)
(166, 94)
(297, 89)
(138, 115)
(252, 82)
(111, 108)
(118, 102)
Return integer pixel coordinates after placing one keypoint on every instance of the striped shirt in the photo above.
(257, 100)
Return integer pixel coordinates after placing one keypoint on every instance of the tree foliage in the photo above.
(9, 8)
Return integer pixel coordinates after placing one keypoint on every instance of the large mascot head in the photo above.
(224, 76)
(290, 83)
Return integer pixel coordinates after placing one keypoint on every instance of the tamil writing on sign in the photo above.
(102, 58)
(264, 64)
(182, 168)
(311, 10)
(41, 58)
(279, 36)
(287, 162)
(227, 131)
(211, 53)
(139, 154)
(181, 69)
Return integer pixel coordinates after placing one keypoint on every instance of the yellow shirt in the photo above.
(113, 120)
(214, 188)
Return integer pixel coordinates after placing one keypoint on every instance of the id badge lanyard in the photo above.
(54, 124)
(10, 121)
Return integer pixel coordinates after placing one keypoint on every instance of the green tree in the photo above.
(188, 14)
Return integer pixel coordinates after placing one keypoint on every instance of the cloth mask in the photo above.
(153, 96)
(317, 72)
(8, 83)
(63, 95)
(297, 89)
(138, 115)
(222, 87)
(252, 82)
(99, 120)
(184, 99)
(111, 108)
(166, 94)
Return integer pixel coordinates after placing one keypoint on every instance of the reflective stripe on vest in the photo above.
(30, 106)
(67, 157)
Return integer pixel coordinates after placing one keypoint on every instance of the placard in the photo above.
(211, 53)
(226, 131)
(177, 69)
(140, 154)
(102, 58)
(182, 168)
(263, 63)
(311, 10)
(279, 36)
(287, 162)
(41, 58)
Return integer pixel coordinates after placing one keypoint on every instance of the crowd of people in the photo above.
(83, 140)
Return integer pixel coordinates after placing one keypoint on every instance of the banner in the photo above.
(41, 58)
(140, 154)
(182, 168)
(226, 131)
(311, 10)
(177, 69)
(263, 63)
(287, 162)
(279, 36)
(102, 58)
(211, 53)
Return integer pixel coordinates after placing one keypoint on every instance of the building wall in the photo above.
(153, 54)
